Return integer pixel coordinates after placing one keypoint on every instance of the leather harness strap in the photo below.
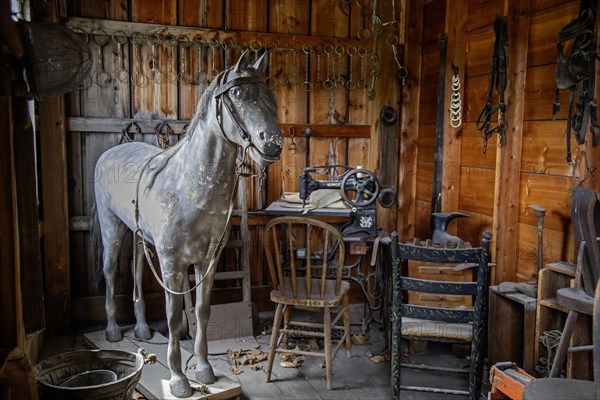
(498, 81)
(577, 72)
(436, 195)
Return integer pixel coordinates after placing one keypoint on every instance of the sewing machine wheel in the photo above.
(360, 187)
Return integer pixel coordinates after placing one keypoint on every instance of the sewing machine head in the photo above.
(359, 188)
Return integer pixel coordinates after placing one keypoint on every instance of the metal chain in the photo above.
(455, 100)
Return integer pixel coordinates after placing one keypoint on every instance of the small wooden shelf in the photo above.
(551, 316)
(551, 303)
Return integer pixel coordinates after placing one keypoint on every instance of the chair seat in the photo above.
(423, 329)
(576, 300)
(314, 300)
(558, 388)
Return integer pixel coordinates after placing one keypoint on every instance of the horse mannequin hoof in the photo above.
(205, 375)
(143, 332)
(180, 387)
(114, 334)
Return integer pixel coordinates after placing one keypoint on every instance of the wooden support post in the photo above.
(386, 94)
(456, 28)
(12, 335)
(53, 151)
(508, 157)
(407, 171)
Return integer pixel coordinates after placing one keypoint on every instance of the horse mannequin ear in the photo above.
(243, 62)
(261, 64)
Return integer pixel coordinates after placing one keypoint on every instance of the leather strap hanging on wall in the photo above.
(577, 72)
(436, 195)
(498, 81)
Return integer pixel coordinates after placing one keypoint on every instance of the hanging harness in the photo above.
(498, 81)
(577, 72)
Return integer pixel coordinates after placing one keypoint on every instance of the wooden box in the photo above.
(438, 272)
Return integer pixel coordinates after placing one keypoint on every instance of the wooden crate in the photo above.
(551, 316)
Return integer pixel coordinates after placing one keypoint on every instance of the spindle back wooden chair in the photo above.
(440, 324)
(306, 260)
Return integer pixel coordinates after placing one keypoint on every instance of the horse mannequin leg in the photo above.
(142, 330)
(204, 371)
(113, 231)
(173, 279)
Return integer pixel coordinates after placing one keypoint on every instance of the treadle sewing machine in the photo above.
(358, 187)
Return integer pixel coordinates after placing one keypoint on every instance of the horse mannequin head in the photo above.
(179, 200)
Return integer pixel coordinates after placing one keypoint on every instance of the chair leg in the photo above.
(286, 322)
(274, 339)
(327, 344)
(563, 345)
(348, 343)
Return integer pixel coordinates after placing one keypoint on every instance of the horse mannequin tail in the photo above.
(97, 249)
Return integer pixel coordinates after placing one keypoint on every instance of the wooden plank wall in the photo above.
(344, 122)
(495, 188)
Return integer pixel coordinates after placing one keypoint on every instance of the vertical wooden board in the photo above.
(483, 13)
(257, 275)
(471, 229)
(475, 96)
(430, 65)
(357, 79)
(456, 21)
(543, 34)
(424, 179)
(77, 239)
(201, 13)
(480, 47)
(359, 102)
(190, 89)
(154, 11)
(422, 211)
(330, 19)
(246, 15)
(358, 153)
(426, 143)
(155, 96)
(540, 91)
(544, 148)
(472, 148)
(56, 223)
(480, 196)
(550, 192)
(506, 191)
(409, 125)
(320, 153)
(289, 16)
(434, 12)
(557, 245)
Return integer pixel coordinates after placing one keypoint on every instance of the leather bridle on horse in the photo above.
(223, 88)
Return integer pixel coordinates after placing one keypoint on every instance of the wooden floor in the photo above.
(358, 377)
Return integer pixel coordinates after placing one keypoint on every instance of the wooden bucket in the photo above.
(90, 375)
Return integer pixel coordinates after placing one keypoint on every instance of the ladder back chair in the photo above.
(306, 260)
(453, 325)
(585, 214)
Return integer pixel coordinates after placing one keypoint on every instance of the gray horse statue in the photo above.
(180, 199)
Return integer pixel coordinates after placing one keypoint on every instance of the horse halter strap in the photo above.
(218, 95)
(498, 80)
